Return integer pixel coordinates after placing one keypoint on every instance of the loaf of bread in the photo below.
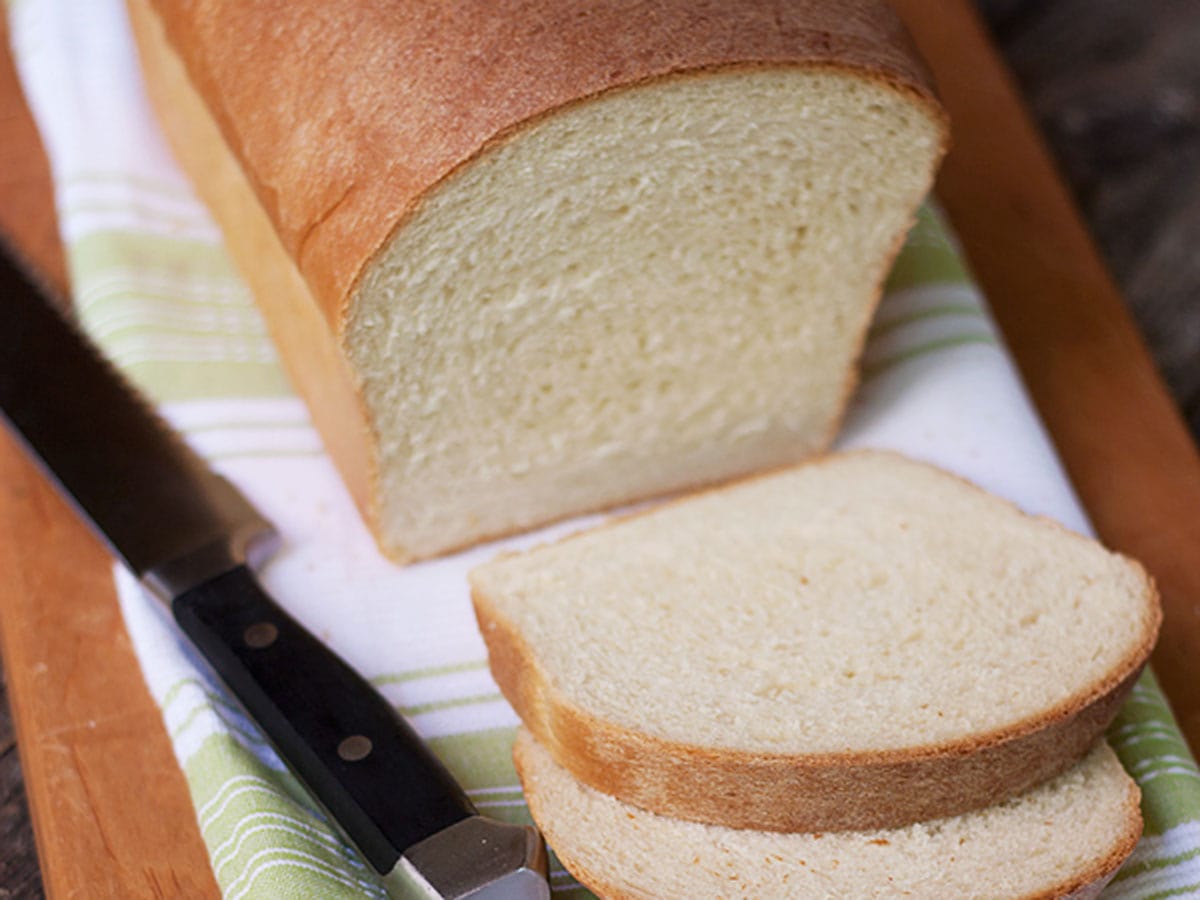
(861, 641)
(1063, 839)
(528, 258)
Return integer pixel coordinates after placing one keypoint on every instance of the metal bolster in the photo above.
(508, 862)
(251, 544)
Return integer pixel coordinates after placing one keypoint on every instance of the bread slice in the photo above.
(527, 259)
(858, 642)
(1063, 839)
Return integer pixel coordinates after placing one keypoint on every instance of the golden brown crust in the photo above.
(820, 792)
(320, 372)
(410, 91)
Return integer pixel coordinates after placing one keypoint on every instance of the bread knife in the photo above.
(195, 542)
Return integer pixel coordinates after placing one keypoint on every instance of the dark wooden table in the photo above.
(1115, 87)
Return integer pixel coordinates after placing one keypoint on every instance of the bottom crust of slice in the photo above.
(1066, 838)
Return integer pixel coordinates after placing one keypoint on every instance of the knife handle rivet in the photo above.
(260, 635)
(355, 747)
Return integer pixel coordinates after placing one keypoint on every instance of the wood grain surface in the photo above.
(111, 815)
(26, 215)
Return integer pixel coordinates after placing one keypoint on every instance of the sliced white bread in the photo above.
(527, 259)
(861, 641)
(1065, 838)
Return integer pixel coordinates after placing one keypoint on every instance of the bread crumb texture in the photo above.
(656, 287)
(860, 603)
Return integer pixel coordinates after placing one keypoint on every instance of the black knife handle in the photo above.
(356, 755)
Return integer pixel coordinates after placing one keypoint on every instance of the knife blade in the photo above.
(194, 541)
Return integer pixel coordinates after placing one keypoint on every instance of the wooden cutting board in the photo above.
(111, 813)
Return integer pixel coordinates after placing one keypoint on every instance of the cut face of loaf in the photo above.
(529, 259)
(1064, 839)
(858, 642)
(658, 288)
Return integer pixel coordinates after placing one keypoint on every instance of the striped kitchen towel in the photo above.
(156, 290)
